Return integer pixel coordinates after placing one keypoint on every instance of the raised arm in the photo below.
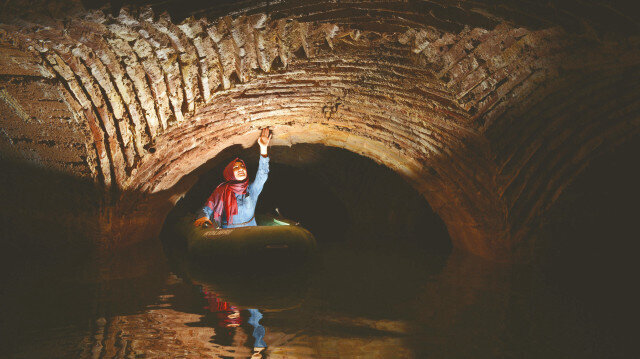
(263, 164)
(261, 177)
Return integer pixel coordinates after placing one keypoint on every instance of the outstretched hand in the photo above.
(263, 140)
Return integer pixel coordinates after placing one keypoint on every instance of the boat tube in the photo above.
(272, 237)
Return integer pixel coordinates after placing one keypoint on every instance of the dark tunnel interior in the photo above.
(336, 194)
(589, 263)
(468, 170)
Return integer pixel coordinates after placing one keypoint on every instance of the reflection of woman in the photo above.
(258, 330)
(228, 316)
(227, 313)
(232, 204)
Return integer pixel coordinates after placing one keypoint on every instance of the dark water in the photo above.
(358, 299)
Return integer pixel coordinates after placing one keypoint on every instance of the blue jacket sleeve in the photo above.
(261, 177)
(205, 212)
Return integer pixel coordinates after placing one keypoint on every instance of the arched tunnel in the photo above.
(500, 135)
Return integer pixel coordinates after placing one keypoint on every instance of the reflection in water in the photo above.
(370, 300)
(228, 316)
(258, 330)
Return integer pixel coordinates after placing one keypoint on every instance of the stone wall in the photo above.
(488, 110)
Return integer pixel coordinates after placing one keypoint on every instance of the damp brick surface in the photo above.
(488, 112)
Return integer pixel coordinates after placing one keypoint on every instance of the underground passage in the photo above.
(398, 179)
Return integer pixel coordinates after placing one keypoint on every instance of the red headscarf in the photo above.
(223, 197)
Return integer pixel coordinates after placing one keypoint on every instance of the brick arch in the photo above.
(453, 109)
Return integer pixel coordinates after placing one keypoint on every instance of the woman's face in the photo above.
(239, 171)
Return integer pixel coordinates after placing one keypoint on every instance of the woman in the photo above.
(232, 204)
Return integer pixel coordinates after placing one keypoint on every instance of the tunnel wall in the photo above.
(488, 114)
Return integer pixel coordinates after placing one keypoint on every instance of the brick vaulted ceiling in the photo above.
(488, 109)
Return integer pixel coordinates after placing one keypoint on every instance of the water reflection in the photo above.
(374, 300)
(227, 316)
(258, 331)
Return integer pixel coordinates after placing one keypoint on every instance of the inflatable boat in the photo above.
(273, 236)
